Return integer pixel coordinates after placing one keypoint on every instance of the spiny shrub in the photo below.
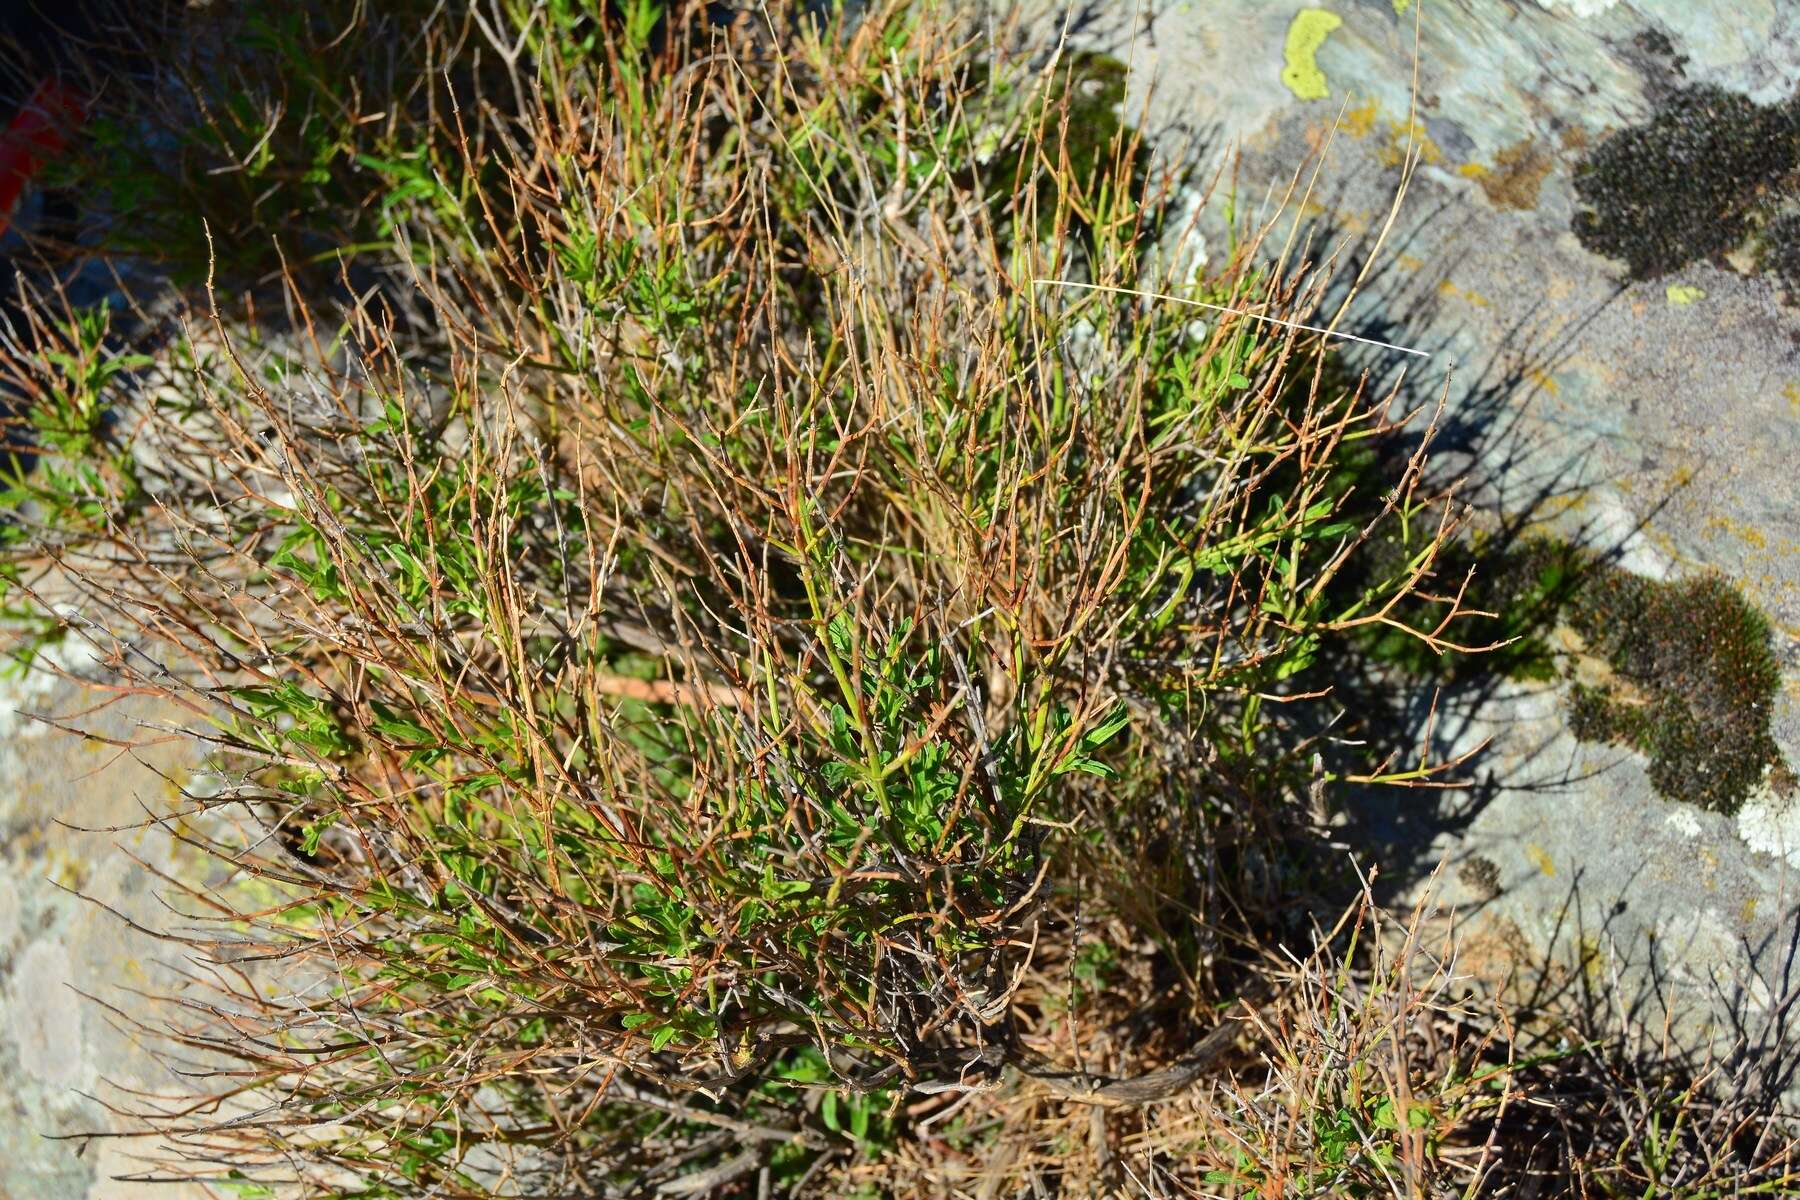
(663, 641)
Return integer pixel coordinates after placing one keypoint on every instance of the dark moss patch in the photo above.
(1694, 682)
(1656, 42)
(1480, 875)
(1781, 254)
(1684, 673)
(1659, 50)
(1686, 184)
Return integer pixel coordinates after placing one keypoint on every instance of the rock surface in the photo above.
(1658, 419)
(62, 1055)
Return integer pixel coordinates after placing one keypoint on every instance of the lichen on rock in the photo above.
(1300, 67)
(1516, 176)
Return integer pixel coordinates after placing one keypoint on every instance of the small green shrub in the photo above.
(265, 137)
(675, 635)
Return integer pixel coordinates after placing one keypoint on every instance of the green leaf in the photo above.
(839, 634)
(1108, 729)
(776, 889)
(309, 839)
(401, 729)
(859, 1118)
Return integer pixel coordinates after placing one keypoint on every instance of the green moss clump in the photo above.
(1689, 676)
(1684, 185)
(1095, 92)
(1694, 681)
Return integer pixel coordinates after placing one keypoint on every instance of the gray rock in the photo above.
(1660, 419)
(44, 1018)
(62, 1056)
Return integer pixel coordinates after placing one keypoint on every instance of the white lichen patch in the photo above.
(1578, 8)
(1771, 825)
(1683, 822)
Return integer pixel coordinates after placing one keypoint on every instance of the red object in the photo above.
(34, 136)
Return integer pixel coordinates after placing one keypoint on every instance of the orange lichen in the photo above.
(1517, 175)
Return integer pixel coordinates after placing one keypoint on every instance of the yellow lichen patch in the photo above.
(1592, 965)
(1681, 294)
(1359, 122)
(1473, 170)
(1792, 392)
(1516, 176)
(1540, 858)
(1748, 534)
(1451, 291)
(1543, 381)
(1409, 262)
(68, 871)
(1300, 71)
(1406, 138)
(1747, 911)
